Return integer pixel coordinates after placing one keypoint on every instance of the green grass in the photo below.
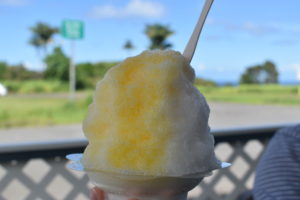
(38, 110)
(49, 109)
(253, 94)
(36, 86)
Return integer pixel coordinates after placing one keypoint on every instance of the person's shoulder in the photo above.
(290, 131)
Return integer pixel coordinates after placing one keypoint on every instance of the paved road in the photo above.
(226, 115)
(223, 115)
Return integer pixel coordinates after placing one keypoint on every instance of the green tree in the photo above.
(3, 68)
(260, 74)
(17, 72)
(158, 34)
(57, 65)
(271, 71)
(42, 36)
(88, 74)
(84, 75)
(128, 46)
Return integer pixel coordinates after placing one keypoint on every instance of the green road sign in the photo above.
(72, 29)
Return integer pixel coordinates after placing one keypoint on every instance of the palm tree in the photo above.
(42, 36)
(128, 46)
(158, 34)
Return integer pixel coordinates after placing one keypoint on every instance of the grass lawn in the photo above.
(253, 94)
(48, 109)
(41, 110)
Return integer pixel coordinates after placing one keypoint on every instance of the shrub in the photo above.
(88, 74)
(204, 82)
(35, 86)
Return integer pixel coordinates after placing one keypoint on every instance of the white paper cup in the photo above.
(121, 187)
(124, 187)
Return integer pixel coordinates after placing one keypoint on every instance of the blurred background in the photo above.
(53, 52)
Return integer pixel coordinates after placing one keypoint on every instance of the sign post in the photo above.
(73, 30)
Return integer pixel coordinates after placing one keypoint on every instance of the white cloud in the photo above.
(298, 74)
(13, 2)
(294, 67)
(134, 8)
(34, 65)
(258, 29)
(286, 42)
(201, 67)
(248, 27)
(144, 8)
(106, 11)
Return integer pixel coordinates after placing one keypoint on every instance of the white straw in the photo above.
(191, 45)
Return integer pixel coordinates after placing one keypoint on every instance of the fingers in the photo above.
(97, 194)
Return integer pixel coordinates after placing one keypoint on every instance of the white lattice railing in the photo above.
(37, 170)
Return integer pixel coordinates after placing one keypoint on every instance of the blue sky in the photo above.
(237, 33)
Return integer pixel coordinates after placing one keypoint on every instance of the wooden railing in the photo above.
(37, 170)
